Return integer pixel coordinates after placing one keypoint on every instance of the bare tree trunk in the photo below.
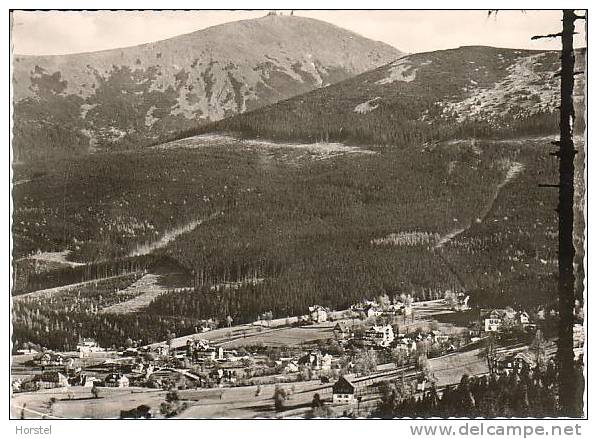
(567, 379)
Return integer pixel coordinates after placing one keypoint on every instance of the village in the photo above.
(324, 364)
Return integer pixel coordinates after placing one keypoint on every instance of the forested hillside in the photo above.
(475, 91)
(313, 229)
(435, 188)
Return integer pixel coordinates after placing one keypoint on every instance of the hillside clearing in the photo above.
(145, 290)
(513, 169)
(169, 236)
(317, 150)
(55, 257)
(49, 292)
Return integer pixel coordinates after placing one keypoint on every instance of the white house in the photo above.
(524, 320)
(318, 314)
(87, 346)
(51, 380)
(373, 311)
(380, 335)
(461, 303)
(493, 321)
(116, 380)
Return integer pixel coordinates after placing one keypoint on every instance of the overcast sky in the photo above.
(57, 32)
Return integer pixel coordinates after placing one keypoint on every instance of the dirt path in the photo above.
(22, 409)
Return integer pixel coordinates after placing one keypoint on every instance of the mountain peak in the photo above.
(143, 94)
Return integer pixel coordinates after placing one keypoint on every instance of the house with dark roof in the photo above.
(51, 380)
(515, 363)
(49, 358)
(116, 380)
(379, 336)
(316, 360)
(342, 331)
(343, 391)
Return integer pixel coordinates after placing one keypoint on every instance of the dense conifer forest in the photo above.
(296, 227)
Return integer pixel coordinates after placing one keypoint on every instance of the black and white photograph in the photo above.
(350, 214)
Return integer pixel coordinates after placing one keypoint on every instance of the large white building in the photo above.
(493, 321)
(318, 314)
(380, 335)
(87, 346)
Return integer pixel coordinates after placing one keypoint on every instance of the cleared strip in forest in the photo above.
(425, 238)
(53, 257)
(318, 149)
(147, 288)
(170, 235)
(49, 292)
(513, 171)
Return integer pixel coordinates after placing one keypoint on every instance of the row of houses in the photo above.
(384, 336)
(496, 318)
(57, 379)
(370, 308)
(373, 309)
(515, 363)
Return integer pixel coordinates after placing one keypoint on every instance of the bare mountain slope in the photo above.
(139, 95)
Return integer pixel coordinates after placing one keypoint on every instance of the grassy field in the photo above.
(78, 402)
(449, 369)
(425, 314)
(285, 336)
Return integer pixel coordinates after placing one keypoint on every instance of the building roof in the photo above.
(51, 377)
(343, 386)
(341, 326)
(527, 357)
(87, 340)
(112, 377)
(380, 329)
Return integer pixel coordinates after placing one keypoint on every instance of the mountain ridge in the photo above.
(471, 91)
(141, 94)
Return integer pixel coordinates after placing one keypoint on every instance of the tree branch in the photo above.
(537, 37)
